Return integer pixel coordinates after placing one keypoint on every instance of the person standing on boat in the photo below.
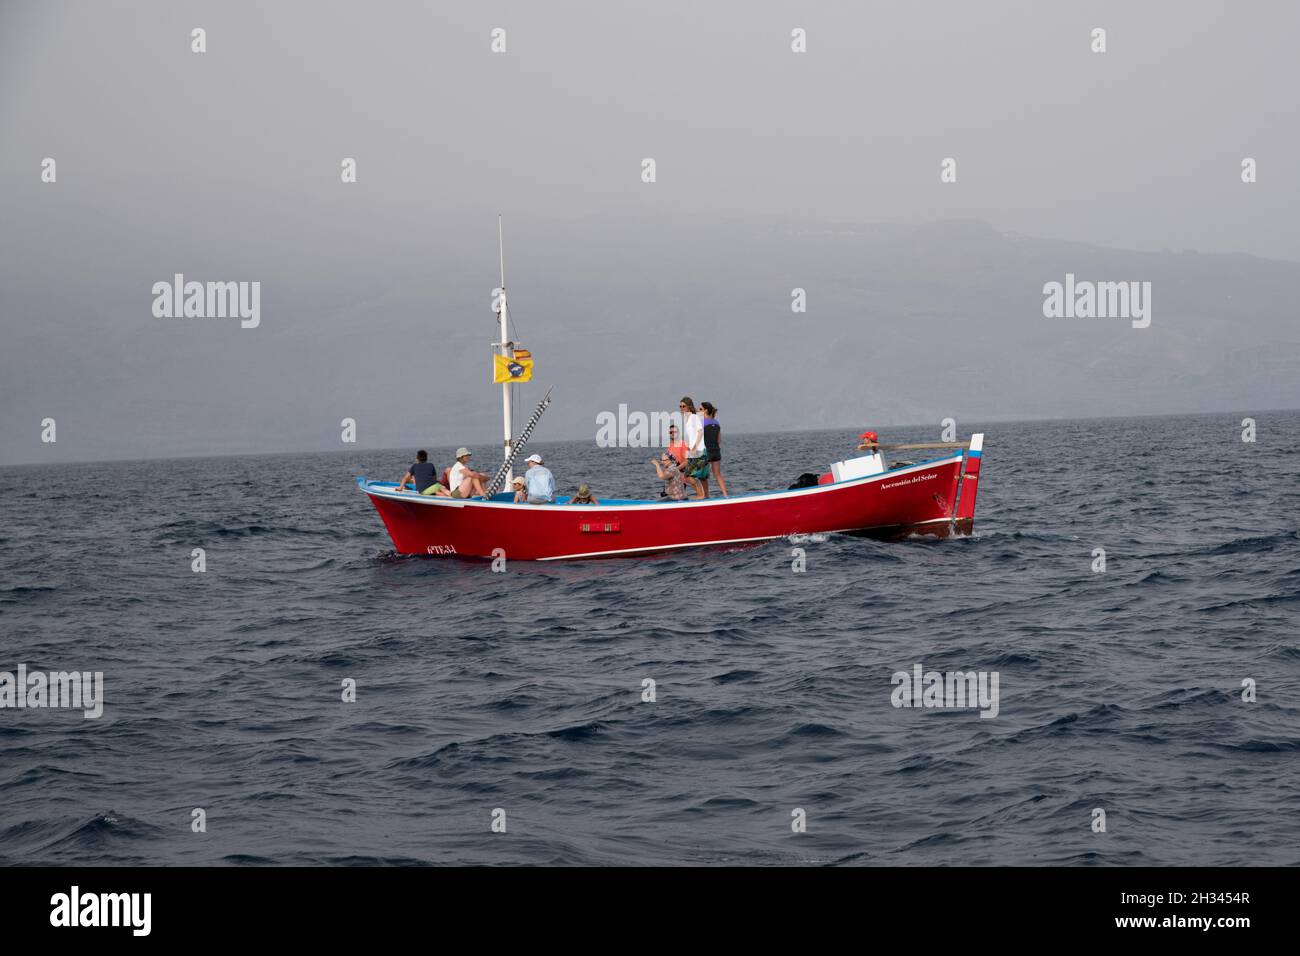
(422, 474)
(713, 443)
(697, 461)
(540, 482)
(870, 442)
(465, 481)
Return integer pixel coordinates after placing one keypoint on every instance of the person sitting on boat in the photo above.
(669, 471)
(584, 497)
(517, 484)
(465, 481)
(540, 482)
(422, 474)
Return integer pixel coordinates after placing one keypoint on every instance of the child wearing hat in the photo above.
(584, 497)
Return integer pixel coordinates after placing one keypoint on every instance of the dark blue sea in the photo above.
(1120, 690)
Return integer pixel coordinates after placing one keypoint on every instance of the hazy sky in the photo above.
(226, 166)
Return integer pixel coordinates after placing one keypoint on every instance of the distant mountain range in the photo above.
(388, 321)
(907, 324)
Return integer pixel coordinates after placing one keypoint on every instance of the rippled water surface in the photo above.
(522, 690)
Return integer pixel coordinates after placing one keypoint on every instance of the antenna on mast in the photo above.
(501, 247)
(508, 443)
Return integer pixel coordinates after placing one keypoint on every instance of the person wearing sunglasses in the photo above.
(676, 447)
(697, 459)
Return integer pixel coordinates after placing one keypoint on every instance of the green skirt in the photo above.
(697, 467)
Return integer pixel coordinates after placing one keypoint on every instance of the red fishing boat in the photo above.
(934, 497)
(859, 496)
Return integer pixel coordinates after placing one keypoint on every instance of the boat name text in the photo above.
(909, 481)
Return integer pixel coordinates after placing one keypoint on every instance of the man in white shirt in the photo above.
(540, 481)
(465, 481)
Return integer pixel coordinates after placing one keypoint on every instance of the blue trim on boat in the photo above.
(974, 454)
(506, 497)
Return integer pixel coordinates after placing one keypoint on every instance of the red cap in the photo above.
(869, 436)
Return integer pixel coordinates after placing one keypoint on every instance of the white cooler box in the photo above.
(858, 467)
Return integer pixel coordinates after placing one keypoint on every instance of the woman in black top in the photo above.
(713, 443)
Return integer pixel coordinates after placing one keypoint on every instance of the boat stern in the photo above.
(968, 486)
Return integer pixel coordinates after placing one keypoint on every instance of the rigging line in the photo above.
(495, 484)
(514, 326)
(515, 394)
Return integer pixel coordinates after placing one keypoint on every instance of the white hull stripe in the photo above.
(705, 544)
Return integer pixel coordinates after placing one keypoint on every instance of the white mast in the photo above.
(505, 344)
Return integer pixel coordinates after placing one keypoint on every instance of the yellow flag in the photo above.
(516, 368)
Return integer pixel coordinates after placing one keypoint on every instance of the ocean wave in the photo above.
(523, 690)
